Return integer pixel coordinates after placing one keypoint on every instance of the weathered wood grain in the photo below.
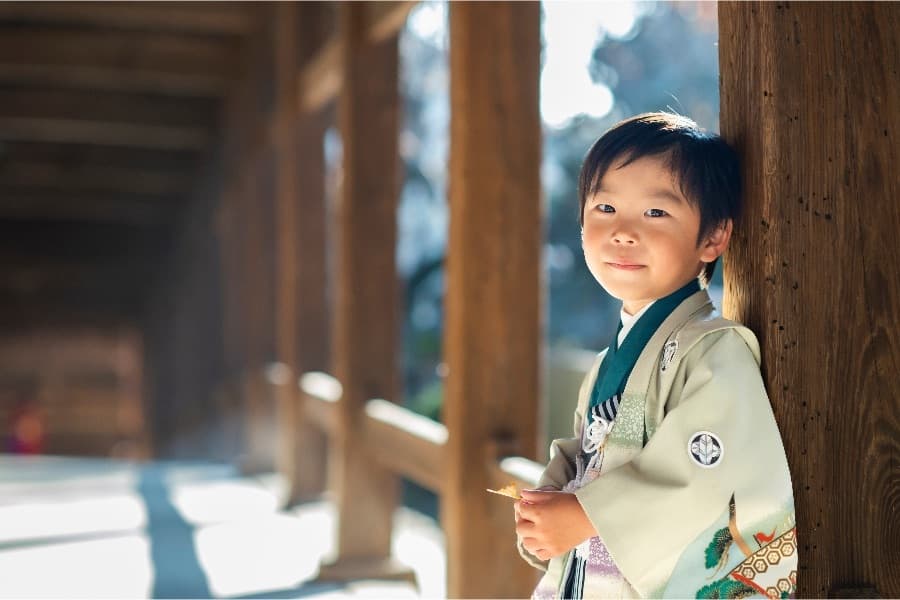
(809, 97)
(366, 326)
(492, 337)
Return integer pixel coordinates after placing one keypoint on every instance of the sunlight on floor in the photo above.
(113, 567)
(99, 529)
(251, 556)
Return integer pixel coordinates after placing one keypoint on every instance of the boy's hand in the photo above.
(550, 523)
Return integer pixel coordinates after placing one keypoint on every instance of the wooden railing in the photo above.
(412, 446)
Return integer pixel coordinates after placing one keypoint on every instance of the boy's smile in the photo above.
(640, 233)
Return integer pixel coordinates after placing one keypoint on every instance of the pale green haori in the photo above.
(693, 496)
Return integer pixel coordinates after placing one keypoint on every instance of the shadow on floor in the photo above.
(172, 549)
(301, 591)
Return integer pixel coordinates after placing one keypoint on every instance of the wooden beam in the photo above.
(386, 19)
(48, 175)
(107, 133)
(809, 98)
(199, 85)
(32, 240)
(99, 208)
(321, 393)
(121, 108)
(492, 336)
(319, 82)
(123, 53)
(73, 156)
(406, 443)
(366, 293)
(211, 18)
(59, 278)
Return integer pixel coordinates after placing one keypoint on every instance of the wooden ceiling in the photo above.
(108, 111)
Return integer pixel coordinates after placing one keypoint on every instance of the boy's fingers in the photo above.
(532, 545)
(524, 527)
(537, 495)
(527, 511)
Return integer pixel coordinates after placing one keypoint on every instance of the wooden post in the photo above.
(809, 97)
(366, 297)
(284, 141)
(260, 328)
(302, 343)
(493, 288)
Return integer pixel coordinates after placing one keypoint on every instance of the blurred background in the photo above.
(111, 147)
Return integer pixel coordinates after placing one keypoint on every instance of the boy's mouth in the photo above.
(625, 266)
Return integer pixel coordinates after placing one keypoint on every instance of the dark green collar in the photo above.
(619, 361)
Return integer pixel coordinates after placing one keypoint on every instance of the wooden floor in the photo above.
(84, 528)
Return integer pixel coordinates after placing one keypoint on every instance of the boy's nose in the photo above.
(622, 237)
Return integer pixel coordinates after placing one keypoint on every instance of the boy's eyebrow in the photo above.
(657, 194)
(663, 194)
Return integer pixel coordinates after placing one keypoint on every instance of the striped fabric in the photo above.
(573, 588)
(609, 408)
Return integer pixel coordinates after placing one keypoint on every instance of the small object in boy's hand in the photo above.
(509, 491)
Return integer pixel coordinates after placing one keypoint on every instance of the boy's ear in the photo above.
(716, 242)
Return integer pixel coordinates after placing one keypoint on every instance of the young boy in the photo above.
(676, 482)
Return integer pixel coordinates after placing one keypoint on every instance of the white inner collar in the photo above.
(628, 322)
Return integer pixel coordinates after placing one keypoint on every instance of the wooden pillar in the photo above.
(810, 98)
(493, 288)
(284, 140)
(258, 276)
(365, 351)
(302, 333)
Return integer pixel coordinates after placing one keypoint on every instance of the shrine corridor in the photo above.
(93, 528)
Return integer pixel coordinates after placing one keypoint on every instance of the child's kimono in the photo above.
(688, 486)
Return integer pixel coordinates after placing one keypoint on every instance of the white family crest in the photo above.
(706, 449)
(668, 354)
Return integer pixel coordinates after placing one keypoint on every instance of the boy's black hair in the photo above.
(704, 165)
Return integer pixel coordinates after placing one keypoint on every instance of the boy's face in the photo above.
(640, 234)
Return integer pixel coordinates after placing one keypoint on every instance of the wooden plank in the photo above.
(386, 19)
(106, 133)
(320, 80)
(809, 98)
(210, 18)
(124, 53)
(46, 175)
(72, 156)
(492, 343)
(116, 108)
(320, 394)
(83, 207)
(366, 294)
(407, 443)
(89, 242)
(198, 85)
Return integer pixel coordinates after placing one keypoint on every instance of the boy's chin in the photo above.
(625, 296)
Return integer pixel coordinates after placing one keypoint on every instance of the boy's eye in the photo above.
(655, 212)
(605, 208)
